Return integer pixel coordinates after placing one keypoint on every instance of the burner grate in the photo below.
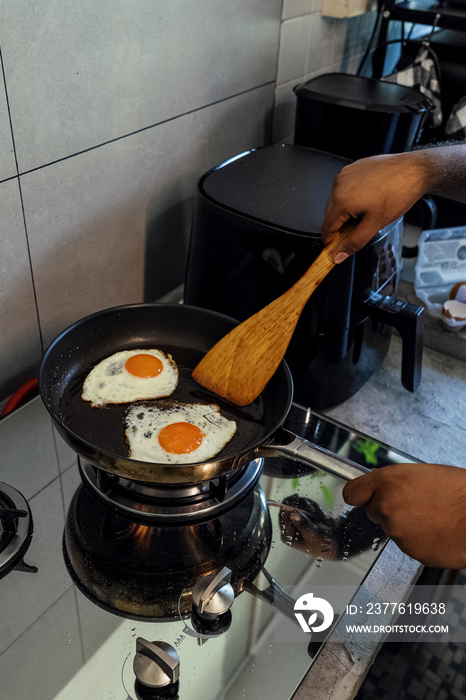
(15, 530)
(177, 503)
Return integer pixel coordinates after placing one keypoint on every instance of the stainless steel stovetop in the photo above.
(57, 644)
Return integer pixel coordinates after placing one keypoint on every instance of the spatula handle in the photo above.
(303, 288)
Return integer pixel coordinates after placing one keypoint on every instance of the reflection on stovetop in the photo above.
(294, 528)
(147, 571)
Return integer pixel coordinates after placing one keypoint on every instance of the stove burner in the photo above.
(15, 530)
(175, 503)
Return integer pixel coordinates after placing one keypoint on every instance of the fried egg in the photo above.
(131, 375)
(176, 433)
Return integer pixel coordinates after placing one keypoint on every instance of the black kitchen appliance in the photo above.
(256, 230)
(355, 116)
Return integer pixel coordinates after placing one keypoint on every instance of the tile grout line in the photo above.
(22, 202)
(128, 134)
(43, 613)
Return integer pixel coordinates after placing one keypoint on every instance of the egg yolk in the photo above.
(180, 438)
(144, 365)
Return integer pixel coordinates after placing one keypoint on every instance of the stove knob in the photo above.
(213, 595)
(156, 664)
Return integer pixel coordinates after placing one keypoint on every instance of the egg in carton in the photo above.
(454, 309)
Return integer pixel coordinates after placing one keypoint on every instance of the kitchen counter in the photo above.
(436, 335)
(429, 425)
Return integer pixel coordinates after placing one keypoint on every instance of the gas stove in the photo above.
(129, 594)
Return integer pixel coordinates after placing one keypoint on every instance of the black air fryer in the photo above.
(355, 116)
(256, 230)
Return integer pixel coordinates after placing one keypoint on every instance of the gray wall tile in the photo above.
(122, 199)
(285, 112)
(297, 8)
(20, 348)
(7, 156)
(107, 69)
(135, 102)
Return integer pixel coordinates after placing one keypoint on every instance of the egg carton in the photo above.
(441, 264)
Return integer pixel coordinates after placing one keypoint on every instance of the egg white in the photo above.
(110, 382)
(143, 424)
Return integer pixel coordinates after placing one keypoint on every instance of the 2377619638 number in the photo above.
(405, 608)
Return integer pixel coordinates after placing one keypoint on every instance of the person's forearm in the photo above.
(380, 189)
(444, 170)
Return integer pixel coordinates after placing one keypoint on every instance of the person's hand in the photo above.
(377, 191)
(422, 507)
(380, 189)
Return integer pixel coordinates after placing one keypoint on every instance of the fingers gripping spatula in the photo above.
(240, 365)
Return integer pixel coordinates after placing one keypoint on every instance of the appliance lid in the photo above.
(359, 92)
(283, 186)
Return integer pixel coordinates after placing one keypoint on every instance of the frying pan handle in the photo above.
(273, 595)
(300, 450)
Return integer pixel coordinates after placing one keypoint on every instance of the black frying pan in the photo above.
(187, 333)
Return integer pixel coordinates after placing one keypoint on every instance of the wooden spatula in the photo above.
(239, 366)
